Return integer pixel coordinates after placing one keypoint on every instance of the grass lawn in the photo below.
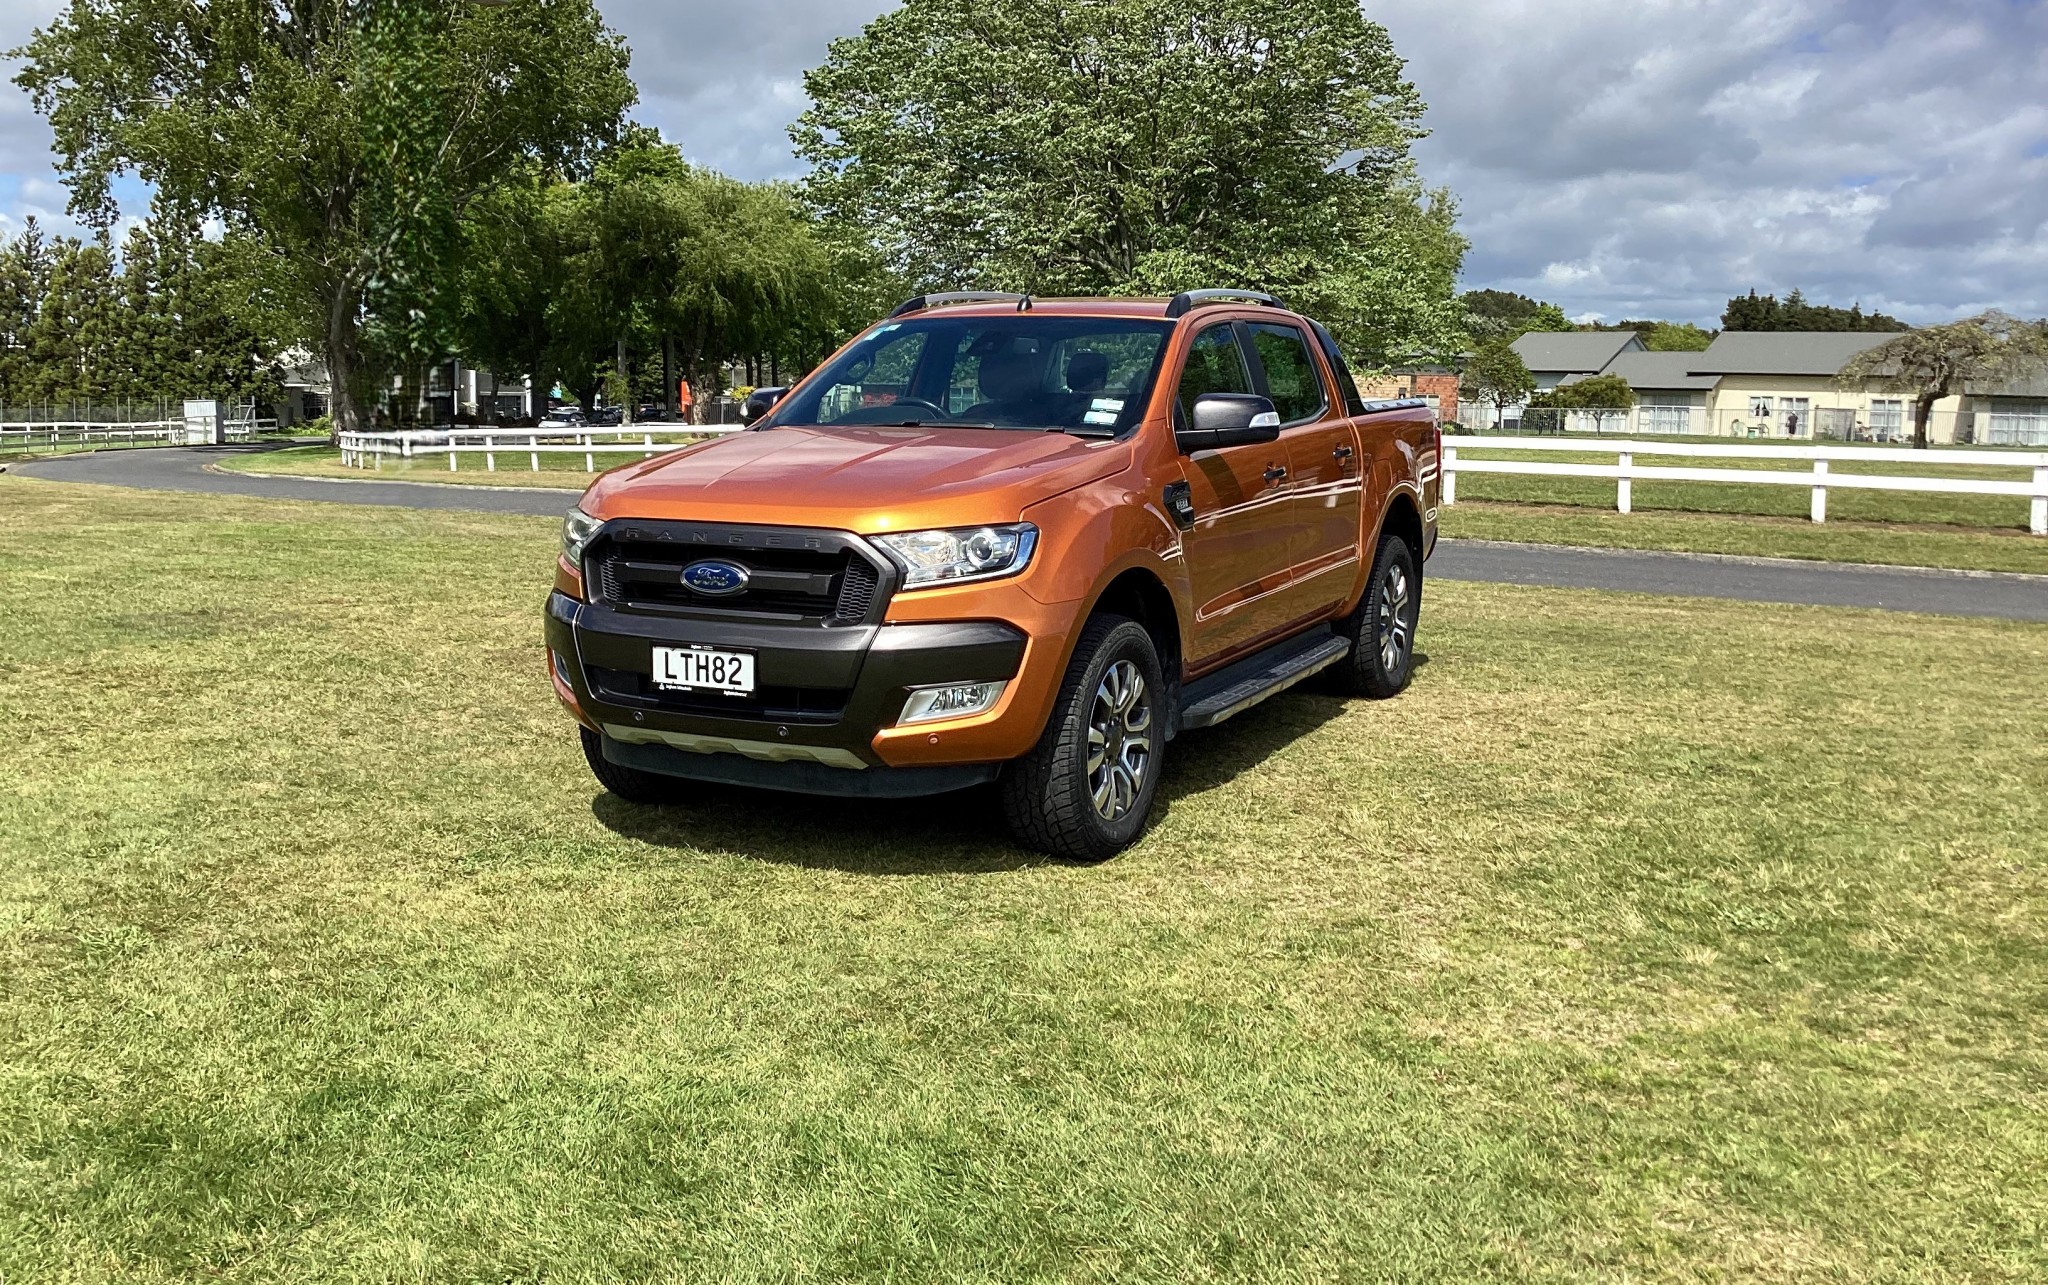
(563, 471)
(1983, 533)
(1644, 939)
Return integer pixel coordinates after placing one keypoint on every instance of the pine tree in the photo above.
(24, 279)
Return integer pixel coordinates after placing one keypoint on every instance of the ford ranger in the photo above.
(1000, 539)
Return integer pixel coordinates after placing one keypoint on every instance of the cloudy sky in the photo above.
(1619, 157)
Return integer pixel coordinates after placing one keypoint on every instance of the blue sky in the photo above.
(1620, 157)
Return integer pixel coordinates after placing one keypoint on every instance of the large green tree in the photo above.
(651, 268)
(341, 137)
(1141, 146)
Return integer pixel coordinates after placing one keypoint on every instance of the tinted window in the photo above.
(1215, 365)
(1292, 380)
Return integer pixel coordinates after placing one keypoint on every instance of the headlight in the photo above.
(967, 553)
(578, 530)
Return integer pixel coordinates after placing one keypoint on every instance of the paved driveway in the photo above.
(1956, 593)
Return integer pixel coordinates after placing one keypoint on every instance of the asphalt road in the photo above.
(1954, 593)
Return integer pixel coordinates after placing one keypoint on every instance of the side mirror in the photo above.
(1229, 419)
(759, 403)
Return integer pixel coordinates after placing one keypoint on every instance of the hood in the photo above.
(862, 479)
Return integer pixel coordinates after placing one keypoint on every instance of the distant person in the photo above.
(686, 400)
(1792, 425)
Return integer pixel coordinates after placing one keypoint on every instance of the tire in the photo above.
(1051, 798)
(1382, 627)
(629, 783)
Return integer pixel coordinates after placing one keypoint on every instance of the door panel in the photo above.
(1241, 548)
(1325, 462)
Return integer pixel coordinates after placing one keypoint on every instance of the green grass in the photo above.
(1744, 536)
(1644, 939)
(564, 471)
(1984, 533)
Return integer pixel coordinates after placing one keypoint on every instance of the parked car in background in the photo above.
(562, 417)
(604, 417)
(1000, 540)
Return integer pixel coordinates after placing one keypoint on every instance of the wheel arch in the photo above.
(1139, 593)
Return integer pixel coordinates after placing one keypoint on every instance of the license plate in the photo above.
(700, 669)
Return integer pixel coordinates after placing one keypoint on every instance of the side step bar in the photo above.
(1236, 688)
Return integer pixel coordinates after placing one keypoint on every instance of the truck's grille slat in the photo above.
(786, 585)
(856, 590)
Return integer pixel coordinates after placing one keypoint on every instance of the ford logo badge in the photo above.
(715, 579)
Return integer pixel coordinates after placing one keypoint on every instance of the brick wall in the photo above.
(1443, 387)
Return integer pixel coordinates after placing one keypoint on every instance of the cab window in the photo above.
(1292, 380)
(1215, 365)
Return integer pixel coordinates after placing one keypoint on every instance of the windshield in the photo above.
(1085, 375)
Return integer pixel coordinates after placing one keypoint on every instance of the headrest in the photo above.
(1008, 376)
(1087, 372)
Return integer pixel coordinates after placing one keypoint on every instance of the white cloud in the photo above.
(1619, 157)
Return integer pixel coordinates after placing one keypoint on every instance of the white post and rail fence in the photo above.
(1625, 471)
(370, 450)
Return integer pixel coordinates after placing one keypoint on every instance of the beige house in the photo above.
(1776, 384)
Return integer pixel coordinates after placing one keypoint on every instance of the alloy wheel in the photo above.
(1119, 740)
(1396, 621)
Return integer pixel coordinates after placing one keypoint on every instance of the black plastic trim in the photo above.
(800, 778)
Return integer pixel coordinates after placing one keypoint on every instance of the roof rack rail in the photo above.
(1188, 300)
(923, 301)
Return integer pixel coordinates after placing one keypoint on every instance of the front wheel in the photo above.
(1382, 627)
(1085, 790)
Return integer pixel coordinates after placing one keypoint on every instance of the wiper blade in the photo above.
(938, 423)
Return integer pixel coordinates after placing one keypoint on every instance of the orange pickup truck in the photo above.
(1000, 539)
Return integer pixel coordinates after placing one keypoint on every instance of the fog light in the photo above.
(950, 700)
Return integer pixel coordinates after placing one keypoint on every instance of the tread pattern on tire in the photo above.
(1361, 672)
(1045, 802)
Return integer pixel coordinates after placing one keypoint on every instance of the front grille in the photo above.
(809, 705)
(832, 585)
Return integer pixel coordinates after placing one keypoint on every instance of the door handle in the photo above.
(1275, 474)
(1342, 452)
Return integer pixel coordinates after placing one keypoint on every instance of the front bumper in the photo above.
(824, 696)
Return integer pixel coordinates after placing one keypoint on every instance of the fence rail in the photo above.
(370, 450)
(1624, 472)
(24, 436)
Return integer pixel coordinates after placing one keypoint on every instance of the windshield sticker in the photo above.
(1099, 417)
(1110, 404)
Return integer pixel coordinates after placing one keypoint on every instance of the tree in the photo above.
(72, 342)
(1597, 394)
(340, 152)
(1497, 376)
(1140, 147)
(24, 280)
(1677, 336)
(1940, 361)
(608, 283)
(1503, 314)
(1755, 312)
